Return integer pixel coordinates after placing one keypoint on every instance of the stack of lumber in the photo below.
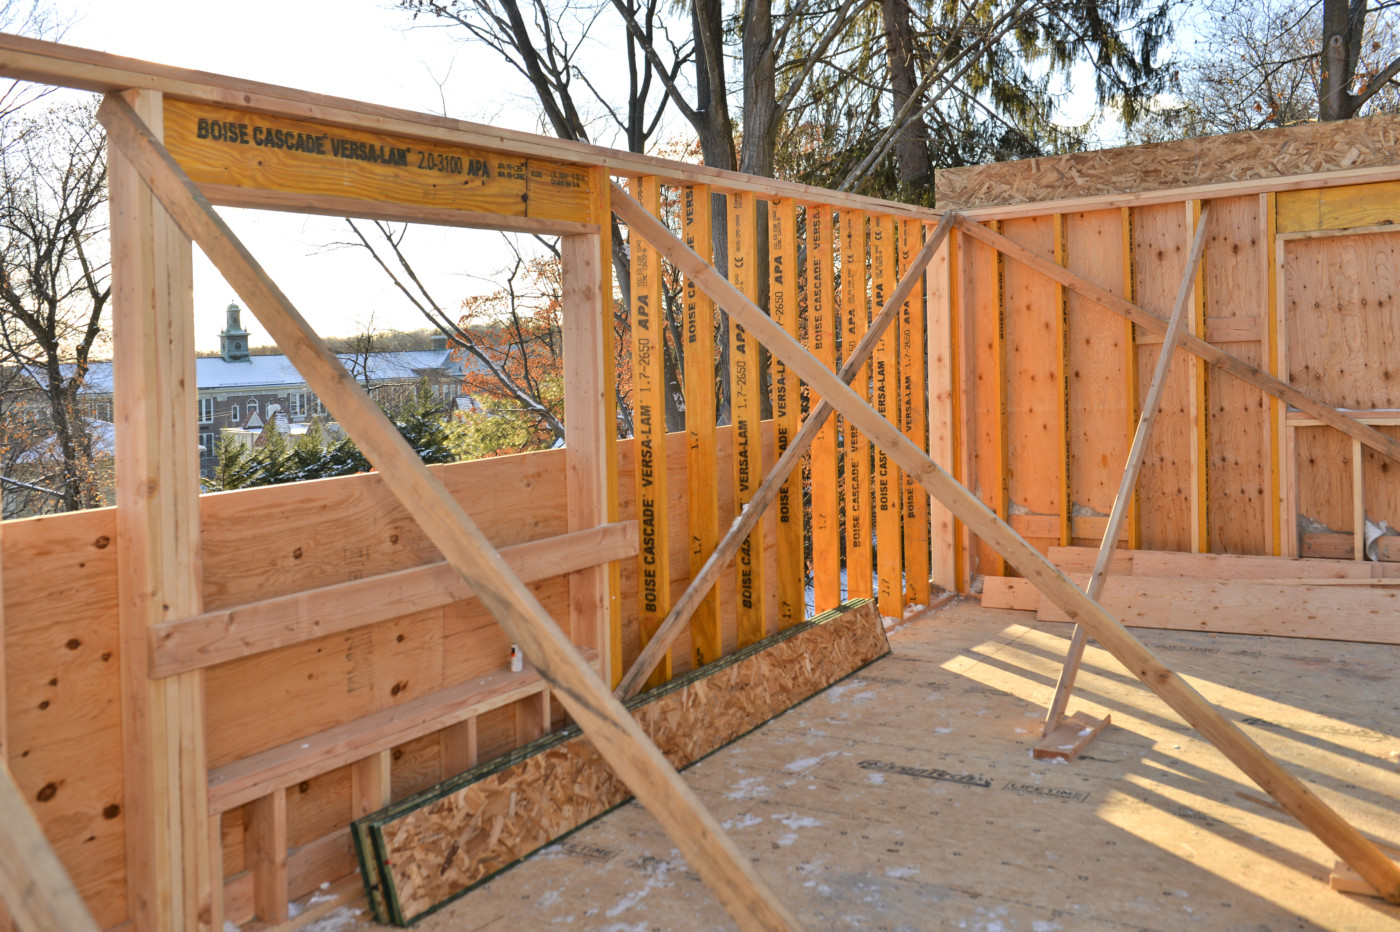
(1329, 599)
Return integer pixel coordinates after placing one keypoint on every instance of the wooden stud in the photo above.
(532, 718)
(942, 409)
(649, 428)
(1134, 519)
(1288, 439)
(1381, 443)
(860, 566)
(1151, 405)
(702, 482)
(914, 418)
(787, 414)
(265, 854)
(1301, 802)
(371, 784)
(885, 382)
(613, 731)
(822, 326)
(458, 748)
(985, 349)
(590, 435)
(768, 490)
(1268, 212)
(745, 406)
(1200, 420)
(1061, 324)
(40, 895)
(1358, 502)
(169, 885)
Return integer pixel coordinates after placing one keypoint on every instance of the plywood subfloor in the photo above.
(905, 798)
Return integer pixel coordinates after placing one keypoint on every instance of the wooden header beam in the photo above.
(696, 833)
(1239, 748)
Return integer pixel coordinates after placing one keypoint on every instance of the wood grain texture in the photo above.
(984, 356)
(33, 883)
(856, 450)
(913, 413)
(790, 513)
(436, 846)
(822, 330)
(884, 372)
(942, 409)
(746, 387)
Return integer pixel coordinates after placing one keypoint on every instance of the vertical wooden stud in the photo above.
(1358, 501)
(170, 885)
(1062, 367)
(1200, 421)
(532, 718)
(649, 428)
(745, 388)
(1268, 211)
(942, 409)
(371, 784)
(591, 434)
(913, 383)
(702, 488)
(822, 325)
(5, 923)
(787, 412)
(860, 567)
(457, 746)
(265, 854)
(1288, 436)
(987, 355)
(1130, 365)
(885, 382)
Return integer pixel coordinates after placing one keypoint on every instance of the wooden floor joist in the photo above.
(618, 737)
(1254, 761)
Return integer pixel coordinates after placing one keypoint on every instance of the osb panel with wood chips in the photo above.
(1249, 156)
(431, 848)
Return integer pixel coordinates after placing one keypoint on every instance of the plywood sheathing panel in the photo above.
(1272, 153)
(433, 847)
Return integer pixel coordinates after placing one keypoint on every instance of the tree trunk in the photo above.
(1342, 30)
(911, 152)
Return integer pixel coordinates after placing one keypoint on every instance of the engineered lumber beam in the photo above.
(913, 418)
(822, 329)
(1179, 695)
(787, 414)
(219, 637)
(1136, 453)
(889, 537)
(767, 492)
(169, 874)
(1387, 446)
(33, 884)
(746, 413)
(696, 833)
(855, 316)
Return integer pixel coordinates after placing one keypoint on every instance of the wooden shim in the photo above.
(33, 883)
(435, 846)
(889, 538)
(745, 406)
(787, 414)
(1246, 754)
(767, 491)
(691, 828)
(1332, 417)
(1251, 606)
(1070, 737)
(822, 330)
(649, 428)
(702, 485)
(913, 418)
(218, 637)
(860, 566)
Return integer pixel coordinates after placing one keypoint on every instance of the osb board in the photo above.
(861, 821)
(432, 848)
(1161, 241)
(1271, 153)
(224, 146)
(1240, 495)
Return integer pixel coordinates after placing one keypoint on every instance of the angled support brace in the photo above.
(33, 884)
(1150, 406)
(619, 738)
(767, 492)
(1387, 446)
(1319, 818)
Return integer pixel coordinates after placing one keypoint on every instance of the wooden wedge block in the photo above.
(1070, 739)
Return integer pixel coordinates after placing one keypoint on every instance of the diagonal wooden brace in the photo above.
(1301, 802)
(612, 729)
(1150, 406)
(767, 492)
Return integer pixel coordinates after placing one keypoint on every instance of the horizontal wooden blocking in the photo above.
(1069, 738)
(435, 846)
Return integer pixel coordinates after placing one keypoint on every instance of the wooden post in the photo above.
(371, 783)
(1200, 420)
(885, 380)
(613, 730)
(1062, 372)
(169, 882)
(745, 387)
(702, 481)
(457, 745)
(1301, 803)
(265, 851)
(854, 278)
(787, 413)
(33, 883)
(821, 327)
(1130, 386)
(649, 429)
(1268, 211)
(590, 425)
(942, 409)
(1151, 405)
(913, 382)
